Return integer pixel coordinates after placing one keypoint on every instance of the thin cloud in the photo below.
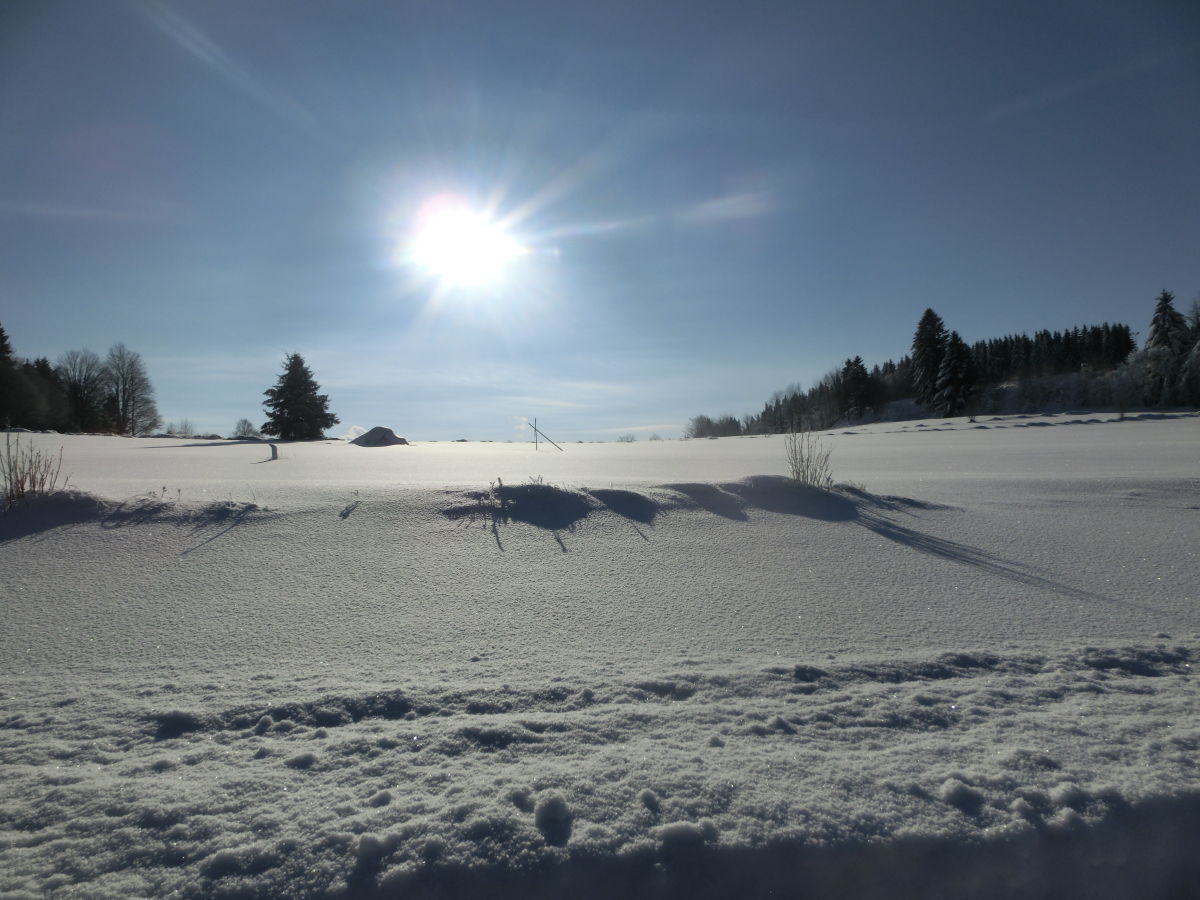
(201, 47)
(730, 207)
(1100, 78)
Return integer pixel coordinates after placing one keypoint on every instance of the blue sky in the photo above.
(719, 199)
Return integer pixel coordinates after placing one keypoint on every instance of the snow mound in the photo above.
(379, 436)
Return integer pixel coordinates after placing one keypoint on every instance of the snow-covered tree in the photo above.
(295, 411)
(1168, 328)
(1189, 376)
(929, 346)
(1167, 343)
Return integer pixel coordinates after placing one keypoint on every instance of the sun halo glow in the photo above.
(459, 246)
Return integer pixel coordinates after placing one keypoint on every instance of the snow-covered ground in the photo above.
(654, 669)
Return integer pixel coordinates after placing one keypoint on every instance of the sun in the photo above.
(458, 245)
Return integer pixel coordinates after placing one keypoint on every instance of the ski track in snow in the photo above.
(644, 670)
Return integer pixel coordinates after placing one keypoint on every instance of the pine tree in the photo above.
(856, 388)
(956, 378)
(1166, 345)
(295, 411)
(1168, 327)
(929, 346)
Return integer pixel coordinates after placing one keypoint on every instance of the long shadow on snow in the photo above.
(556, 509)
(49, 511)
(712, 498)
(628, 504)
(779, 494)
(965, 554)
(63, 509)
(542, 505)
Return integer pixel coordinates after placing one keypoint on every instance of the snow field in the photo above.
(356, 672)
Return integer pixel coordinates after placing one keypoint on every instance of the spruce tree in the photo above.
(929, 346)
(295, 411)
(1168, 328)
(856, 391)
(1166, 345)
(956, 378)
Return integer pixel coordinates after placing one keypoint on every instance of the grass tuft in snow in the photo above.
(26, 472)
(808, 458)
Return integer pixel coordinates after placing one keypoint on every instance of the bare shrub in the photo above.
(808, 458)
(245, 429)
(26, 471)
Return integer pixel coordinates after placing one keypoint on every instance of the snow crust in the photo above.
(656, 669)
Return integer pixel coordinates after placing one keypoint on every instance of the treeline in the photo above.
(1097, 366)
(81, 392)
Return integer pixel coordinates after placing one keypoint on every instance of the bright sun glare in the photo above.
(458, 245)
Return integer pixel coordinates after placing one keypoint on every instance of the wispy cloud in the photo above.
(191, 39)
(746, 205)
(1060, 93)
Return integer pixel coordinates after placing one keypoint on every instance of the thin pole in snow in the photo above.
(537, 432)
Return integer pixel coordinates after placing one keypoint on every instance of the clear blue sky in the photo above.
(721, 199)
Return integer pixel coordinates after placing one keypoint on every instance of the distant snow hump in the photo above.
(379, 436)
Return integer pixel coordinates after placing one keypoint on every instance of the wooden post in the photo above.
(274, 451)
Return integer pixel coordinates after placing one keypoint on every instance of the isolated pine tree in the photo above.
(956, 378)
(295, 411)
(929, 346)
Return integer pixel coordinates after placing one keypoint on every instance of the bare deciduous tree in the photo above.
(130, 391)
(245, 429)
(82, 375)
